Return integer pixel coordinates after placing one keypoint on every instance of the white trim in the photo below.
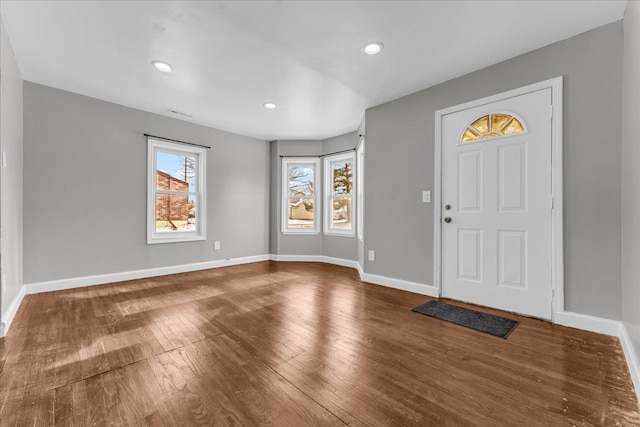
(360, 270)
(418, 288)
(340, 261)
(328, 194)
(551, 83)
(200, 233)
(360, 156)
(76, 282)
(557, 262)
(632, 358)
(317, 199)
(297, 258)
(587, 323)
(437, 206)
(8, 317)
(316, 258)
(557, 225)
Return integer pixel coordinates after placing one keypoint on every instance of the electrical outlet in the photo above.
(216, 246)
(4, 283)
(372, 255)
(426, 196)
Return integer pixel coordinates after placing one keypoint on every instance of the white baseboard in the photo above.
(296, 258)
(586, 322)
(565, 318)
(316, 258)
(11, 312)
(608, 327)
(58, 285)
(360, 270)
(418, 288)
(339, 261)
(632, 358)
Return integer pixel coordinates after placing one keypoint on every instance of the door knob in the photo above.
(447, 219)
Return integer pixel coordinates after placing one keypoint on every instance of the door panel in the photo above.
(470, 181)
(496, 249)
(469, 254)
(512, 259)
(512, 177)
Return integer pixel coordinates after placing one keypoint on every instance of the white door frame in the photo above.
(557, 251)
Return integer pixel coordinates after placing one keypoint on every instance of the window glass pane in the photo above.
(469, 135)
(175, 212)
(482, 124)
(498, 121)
(176, 171)
(300, 213)
(300, 180)
(342, 177)
(341, 213)
(514, 126)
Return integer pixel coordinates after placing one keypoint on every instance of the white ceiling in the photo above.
(230, 57)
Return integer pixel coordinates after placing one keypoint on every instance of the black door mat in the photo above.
(483, 322)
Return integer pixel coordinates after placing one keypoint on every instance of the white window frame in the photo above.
(360, 190)
(288, 162)
(153, 237)
(328, 193)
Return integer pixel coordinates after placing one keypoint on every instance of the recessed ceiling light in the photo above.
(269, 105)
(162, 66)
(373, 48)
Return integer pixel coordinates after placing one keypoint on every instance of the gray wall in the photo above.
(400, 137)
(316, 244)
(274, 205)
(292, 244)
(343, 247)
(85, 189)
(11, 142)
(631, 176)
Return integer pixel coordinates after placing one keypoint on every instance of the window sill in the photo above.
(175, 239)
(338, 234)
(300, 233)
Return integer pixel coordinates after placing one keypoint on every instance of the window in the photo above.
(491, 126)
(299, 200)
(360, 189)
(338, 189)
(176, 192)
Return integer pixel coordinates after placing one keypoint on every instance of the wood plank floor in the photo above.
(294, 344)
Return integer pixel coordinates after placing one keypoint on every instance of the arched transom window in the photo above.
(492, 126)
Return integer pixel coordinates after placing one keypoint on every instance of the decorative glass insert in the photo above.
(492, 126)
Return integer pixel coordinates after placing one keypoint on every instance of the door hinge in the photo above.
(552, 203)
(551, 110)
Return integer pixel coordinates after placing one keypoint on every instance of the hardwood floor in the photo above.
(294, 344)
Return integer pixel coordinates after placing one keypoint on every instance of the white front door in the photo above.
(496, 204)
